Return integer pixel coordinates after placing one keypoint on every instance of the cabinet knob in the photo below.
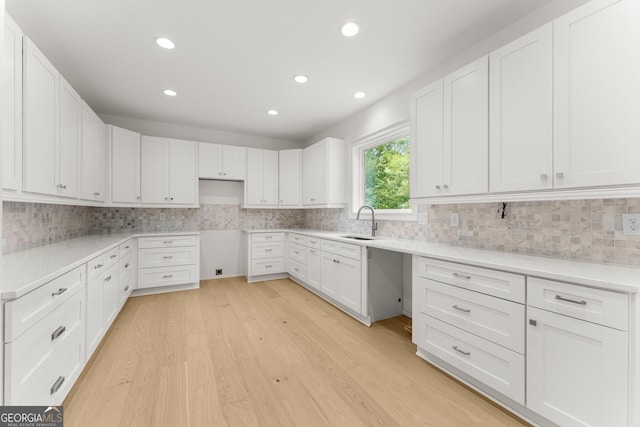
(445, 186)
(220, 173)
(437, 187)
(166, 198)
(544, 176)
(138, 197)
(533, 322)
(126, 288)
(171, 198)
(225, 174)
(559, 175)
(96, 194)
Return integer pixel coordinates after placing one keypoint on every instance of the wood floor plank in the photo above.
(233, 353)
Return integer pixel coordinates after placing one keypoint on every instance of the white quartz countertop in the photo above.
(24, 271)
(605, 276)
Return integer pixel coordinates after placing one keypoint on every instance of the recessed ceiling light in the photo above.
(350, 29)
(272, 112)
(300, 78)
(359, 95)
(165, 43)
(170, 92)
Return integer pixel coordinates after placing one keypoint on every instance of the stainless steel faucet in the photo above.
(374, 224)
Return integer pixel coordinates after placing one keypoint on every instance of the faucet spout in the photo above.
(374, 224)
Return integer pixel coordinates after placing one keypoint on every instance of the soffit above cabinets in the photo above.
(235, 60)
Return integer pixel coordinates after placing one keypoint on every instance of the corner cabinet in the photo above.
(168, 172)
(597, 95)
(93, 173)
(261, 185)
(11, 106)
(450, 134)
(124, 147)
(224, 162)
(323, 174)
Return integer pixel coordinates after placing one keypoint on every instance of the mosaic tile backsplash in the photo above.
(588, 230)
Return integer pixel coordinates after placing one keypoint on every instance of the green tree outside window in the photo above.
(386, 172)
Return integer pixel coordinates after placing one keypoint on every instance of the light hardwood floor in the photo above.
(270, 354)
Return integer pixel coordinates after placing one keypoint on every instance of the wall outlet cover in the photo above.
(631, 224)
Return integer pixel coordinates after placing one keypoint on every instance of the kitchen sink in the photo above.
(359, 237)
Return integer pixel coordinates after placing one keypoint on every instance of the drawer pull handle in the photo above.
(126, 288)
(127, 247)
(98, 266)
(113, 256)
(312, 251)
(56, 386)
(167, 276)
(268, 266)
(561, 298)
(464, 310)
(167, 257)
(268, 237)
(462, 276)
(56, 334)
(466, 353)
(59, 292)
(108, 278)
(268, 250)
(167, 242)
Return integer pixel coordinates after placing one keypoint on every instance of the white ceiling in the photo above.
(236, 59)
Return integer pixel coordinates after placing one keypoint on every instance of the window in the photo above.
(381, 173)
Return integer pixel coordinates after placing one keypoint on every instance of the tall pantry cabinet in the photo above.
(11, 113)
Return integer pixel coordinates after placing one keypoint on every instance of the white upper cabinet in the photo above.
(466, 130)
(70, 127)
(40, 121)
(93, 157)
(12, 107)
(125, 166)
(449, 125)
(427, 139)
(261, 185)
(168, 171)
(323, 174)
(290, 178)
(521, 113)
(597, 95)
(217, 161)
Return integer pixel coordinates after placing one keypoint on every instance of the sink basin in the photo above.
(359, 237)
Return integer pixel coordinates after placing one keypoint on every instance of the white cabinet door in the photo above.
(11, 112)
(466, 129)
(234, 161)
(125, 166)
(597, 95)
(330, 276)
(350, 290)
(577, 370)
(110, 298)
(521, 113)
(154, 170)
(314, 175)
(427, 138)
(70, 126)
(183, 175)
(314, 268)
(40, 121)
(290, 177)
(261, 185)
(93, 157)
(209, 161)
(95, 325)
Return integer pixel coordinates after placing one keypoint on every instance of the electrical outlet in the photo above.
(218, 272)
(631, 224)
(454, 220)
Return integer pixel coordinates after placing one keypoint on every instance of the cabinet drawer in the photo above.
(96, 266)
(594, 305)
(298, 270)
(492, 282)
(126, 266)
(126, 248)
(166, 276)
(344, 249)
(494, 319)
(313, 242)
(36, 359)
(26, 311)
(166, 241)
(111, 256)
(267, 266)
(298, 253)
(267, 237)
(298, 238)
(267, 250)
(494, 365)
(161, 257)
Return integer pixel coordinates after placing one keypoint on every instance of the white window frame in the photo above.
(358, 147)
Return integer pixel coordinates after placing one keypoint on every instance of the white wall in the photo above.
(1, 119)
(394, 108)
(171, 130)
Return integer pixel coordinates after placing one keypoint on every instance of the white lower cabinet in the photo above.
(265, 255)
(314, 267)
(330, 275)
(101, 302)
(168, 261)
